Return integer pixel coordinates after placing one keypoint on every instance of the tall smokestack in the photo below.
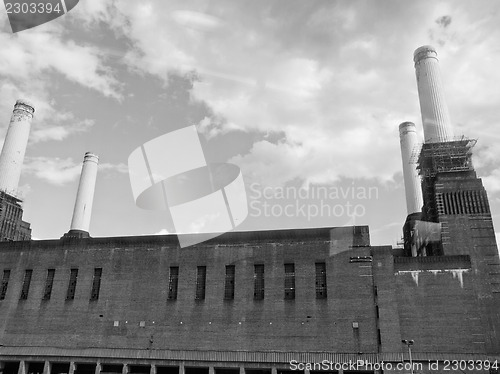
(435, 116)
(409, 140)
(14, 147)
(80, 222)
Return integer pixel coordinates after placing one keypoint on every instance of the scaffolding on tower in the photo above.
(444, 157)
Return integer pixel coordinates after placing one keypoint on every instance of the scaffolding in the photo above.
(444, 157)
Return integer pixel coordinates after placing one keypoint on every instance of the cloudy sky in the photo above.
(302, 95)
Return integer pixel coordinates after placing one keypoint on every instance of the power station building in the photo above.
(271, 302)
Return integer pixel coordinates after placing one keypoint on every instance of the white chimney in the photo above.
(435, 116)
(85, 196)
(14, 147)
(409, 141)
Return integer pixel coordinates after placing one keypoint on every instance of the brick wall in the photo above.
(134, 289)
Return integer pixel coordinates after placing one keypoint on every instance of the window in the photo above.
(70, 295)
(201, 277)
(96, 284)
(49, 282)
(320, 280)
(173, 281)
(289, 281)
(258, 276)
(5, 283)
(26, 284)
(462, 202)
(229, 285)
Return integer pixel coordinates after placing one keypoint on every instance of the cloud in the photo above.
(50, 121)
(118, 168)
(162, 232)
(196, 20)
(322, 155)
(58, 171)
(261, 87)
(34, 54)
(492, 181)
(336, 90)
(31, 65)
(55, 171)
(60, 132)
(444, 21)
(93, 12)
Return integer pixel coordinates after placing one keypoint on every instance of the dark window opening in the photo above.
(289, 281)
(10, 367)
(257, 371)
(167, 370)
(229, 284)
(70, 295)
(96, 284)
(227, 370)
(139, 369)
(199, 370)
(201, 278)
(85, 368)
(258, 293)
(111, 368)
(49, 282)
(26, 284)
(59, 368)
(173, 282)
(320, 280)
(5, 284)
(35, 368)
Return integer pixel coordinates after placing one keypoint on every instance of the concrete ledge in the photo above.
(34, 353)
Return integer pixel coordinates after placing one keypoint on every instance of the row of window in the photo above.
(258, 294)
(49, 282)
(173, 283)
(462, 202)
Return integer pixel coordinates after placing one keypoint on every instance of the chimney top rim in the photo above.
(424, 52)
(25, 102)
(406, 127)
(406, 124)
(89, 155)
